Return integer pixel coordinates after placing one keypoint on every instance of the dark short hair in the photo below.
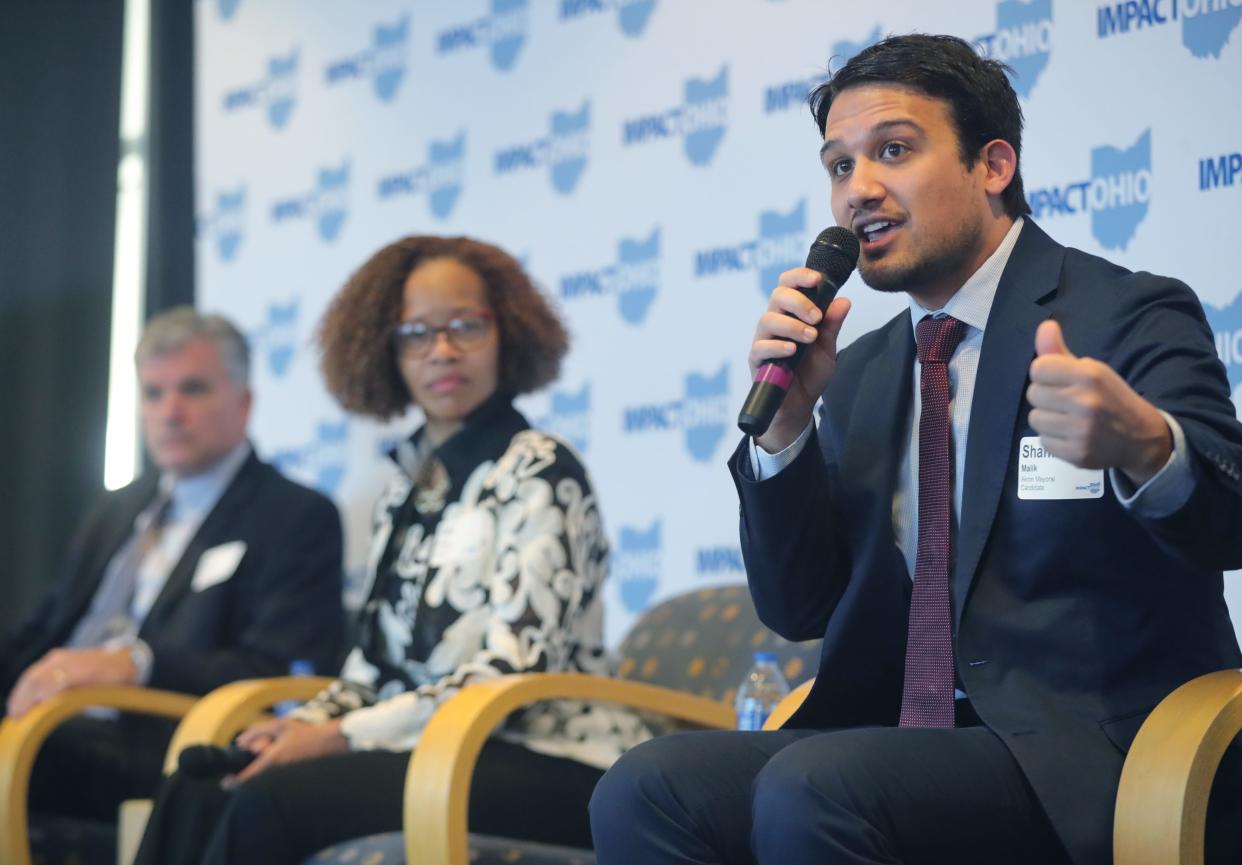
(982, 102)
(359, 364)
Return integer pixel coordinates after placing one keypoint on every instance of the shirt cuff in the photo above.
(139, 654)
(1168, 489)
(394, 724)
(766, 465)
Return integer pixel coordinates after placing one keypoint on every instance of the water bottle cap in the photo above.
(765, 657)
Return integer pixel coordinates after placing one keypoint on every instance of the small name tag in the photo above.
(1043, 476)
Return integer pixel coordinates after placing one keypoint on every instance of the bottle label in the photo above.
(751, 716)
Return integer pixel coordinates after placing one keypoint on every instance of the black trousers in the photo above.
(806, 797)
(847, 797)
(290, 812)
(87, 767)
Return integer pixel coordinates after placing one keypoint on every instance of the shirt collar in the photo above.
(484, 435)
(200, 492)
(973, 301)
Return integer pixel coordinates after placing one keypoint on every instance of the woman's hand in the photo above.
(283, 740)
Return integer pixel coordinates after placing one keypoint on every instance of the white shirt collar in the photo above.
(200, 492)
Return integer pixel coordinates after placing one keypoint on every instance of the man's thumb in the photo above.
(1048, 340)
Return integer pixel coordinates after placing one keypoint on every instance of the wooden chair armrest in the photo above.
(1162, 802)
(21, 738)
(437, 785)
(788, 706)
(229, 709)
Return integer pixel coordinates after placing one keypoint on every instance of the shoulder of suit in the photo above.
(1102, 277)
(275, 483)
(134, 494)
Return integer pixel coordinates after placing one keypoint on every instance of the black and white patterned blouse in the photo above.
(488, 557)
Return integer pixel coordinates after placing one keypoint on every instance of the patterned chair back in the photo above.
(703, 642)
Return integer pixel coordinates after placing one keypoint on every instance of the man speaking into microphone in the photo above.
(1008, 525)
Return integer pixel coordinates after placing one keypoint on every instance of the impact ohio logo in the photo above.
(1226, 324)
(635, 565)
(440, 178)
(563, 151)
(780, 245)
(569, 416)
(276, 339)
(632, 15)
(502, 33)
(384, 61)
(320, 462)
(793, 94)
(1220, 172)
(277, 91)
(634, 280)
(326, 204)
(700, 120)
(227, 223)
(710, 561)
(702, 414)
(1116, 195)
(1022, 40)
(1206, 25)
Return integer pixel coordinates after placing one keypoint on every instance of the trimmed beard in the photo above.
(928, 269)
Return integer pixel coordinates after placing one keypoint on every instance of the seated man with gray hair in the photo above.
(213, 568)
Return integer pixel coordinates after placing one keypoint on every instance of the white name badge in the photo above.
(1043, 476)
(463, 537)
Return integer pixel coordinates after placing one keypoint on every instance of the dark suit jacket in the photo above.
(1073, 618)
(282, 603)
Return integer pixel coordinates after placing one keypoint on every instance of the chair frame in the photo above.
(1161, 810)
(1162, 802)
(21, 738)
(437, 786)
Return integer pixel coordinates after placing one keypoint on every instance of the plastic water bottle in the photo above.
(300, 667)
(763, 687)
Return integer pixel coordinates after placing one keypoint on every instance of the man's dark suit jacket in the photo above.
(283, 602)
(1073, 619)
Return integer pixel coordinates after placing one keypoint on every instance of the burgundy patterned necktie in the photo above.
(927, 693)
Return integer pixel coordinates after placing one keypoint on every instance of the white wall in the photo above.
(653, 164)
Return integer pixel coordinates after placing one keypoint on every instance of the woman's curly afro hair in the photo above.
(355, 335)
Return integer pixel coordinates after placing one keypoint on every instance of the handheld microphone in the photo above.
(834, 254)
(211, 761)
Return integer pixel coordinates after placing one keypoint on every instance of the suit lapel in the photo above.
(1008, 348)
(215, 529)
(879, 419)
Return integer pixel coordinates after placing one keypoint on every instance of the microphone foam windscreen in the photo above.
(834, 253)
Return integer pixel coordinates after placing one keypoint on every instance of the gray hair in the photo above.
(172, 329)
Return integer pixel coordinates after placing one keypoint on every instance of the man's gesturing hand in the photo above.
(1086, 414)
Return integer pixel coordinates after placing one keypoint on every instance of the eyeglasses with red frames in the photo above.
(465, 332)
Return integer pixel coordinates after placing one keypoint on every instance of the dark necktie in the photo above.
(927, 693)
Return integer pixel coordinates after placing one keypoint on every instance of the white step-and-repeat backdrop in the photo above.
(654, 165)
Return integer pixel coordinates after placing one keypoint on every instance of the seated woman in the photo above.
(488, 558)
